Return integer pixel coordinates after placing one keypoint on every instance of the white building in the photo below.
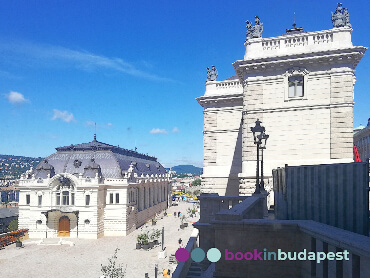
(300, 85)
(91, 190)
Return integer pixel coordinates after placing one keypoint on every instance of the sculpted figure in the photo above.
(249, 29)
(257, 20)
(208, 74)
(214, 74)
(256, 30)
(340, 18)
(346, 18)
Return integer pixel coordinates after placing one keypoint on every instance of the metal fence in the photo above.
(333, 194)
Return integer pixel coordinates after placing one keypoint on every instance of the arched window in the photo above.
(64, 192)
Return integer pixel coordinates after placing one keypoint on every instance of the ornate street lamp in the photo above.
(257, 131)
(263, 138)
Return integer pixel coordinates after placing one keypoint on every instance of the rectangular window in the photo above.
(39, 200)
(295, 86)
(65, 198)
(58, 199)
(28, 199)
(87, 200)
(111, 198)
(72, 199)
(117, 198)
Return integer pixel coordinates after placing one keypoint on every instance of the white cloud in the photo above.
(109, 124)
(51, 55)
(175, 130)
(65, 116)
(15, 98)
(158, 131)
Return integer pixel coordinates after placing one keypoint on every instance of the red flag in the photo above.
(357, 156)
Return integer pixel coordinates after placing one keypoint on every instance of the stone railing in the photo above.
(212, 203)
(337, 38)
(251, 208)
(228, 84)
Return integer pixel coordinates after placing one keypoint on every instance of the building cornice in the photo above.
(299, 108)
(349, 56)
(234, 99)
(221, 131)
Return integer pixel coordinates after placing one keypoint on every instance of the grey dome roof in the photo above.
(96, 157)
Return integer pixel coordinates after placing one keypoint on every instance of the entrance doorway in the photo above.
(64, 226)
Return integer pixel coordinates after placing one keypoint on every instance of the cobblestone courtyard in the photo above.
(84, 259)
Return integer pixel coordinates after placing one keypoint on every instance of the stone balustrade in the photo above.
(297, 43)
(212, 203)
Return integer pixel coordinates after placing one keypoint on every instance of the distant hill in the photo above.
(188, 169)
(12, 166)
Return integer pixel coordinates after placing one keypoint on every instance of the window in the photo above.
(296, 88)
(111, 198)
(65, 198)
(28, 199)
(296, 84)
(117, 198)
(58, 199)
(72, 199)
(87, 200)
(39, 200)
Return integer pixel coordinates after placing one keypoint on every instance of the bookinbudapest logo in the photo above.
(214, 255)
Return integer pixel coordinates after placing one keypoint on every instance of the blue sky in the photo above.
(135, 68)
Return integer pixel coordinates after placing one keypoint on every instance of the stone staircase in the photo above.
(194, 271)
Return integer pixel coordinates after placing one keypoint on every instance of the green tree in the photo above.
(13, 225)
(197, 182)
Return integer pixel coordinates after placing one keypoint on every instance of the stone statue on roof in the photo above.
(340, 18)
(212, 74)
(256, 30)
(208, 74)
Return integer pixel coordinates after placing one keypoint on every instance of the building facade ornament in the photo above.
(340, 18)
(212, 74)
(256, 30)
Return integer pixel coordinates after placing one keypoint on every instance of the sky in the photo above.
(135, 68)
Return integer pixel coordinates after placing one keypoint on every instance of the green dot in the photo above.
(213, 255)
(197, 255)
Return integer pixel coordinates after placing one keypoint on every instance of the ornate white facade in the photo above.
(301, 87)
(91, 190)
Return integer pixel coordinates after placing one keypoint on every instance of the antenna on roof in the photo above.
(95, 133)
(294, 21)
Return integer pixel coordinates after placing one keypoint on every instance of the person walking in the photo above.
(180, 242)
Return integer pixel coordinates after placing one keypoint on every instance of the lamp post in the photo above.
(257, 131)
(263, 139)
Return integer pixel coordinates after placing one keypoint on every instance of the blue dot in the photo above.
(197, 255)
(213, 255)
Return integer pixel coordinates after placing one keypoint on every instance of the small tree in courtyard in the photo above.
(13, 225)
(112, 270)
